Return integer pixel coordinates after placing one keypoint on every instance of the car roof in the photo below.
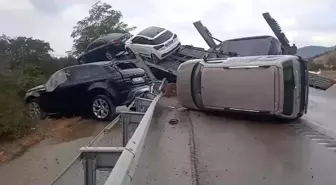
(109, 37)
(100, 63)
(151, 32)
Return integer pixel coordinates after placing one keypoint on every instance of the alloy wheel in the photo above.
(100, 108)
(34, 110)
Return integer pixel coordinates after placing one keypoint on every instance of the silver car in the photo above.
(274, 85)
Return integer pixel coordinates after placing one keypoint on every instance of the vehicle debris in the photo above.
(173, 121)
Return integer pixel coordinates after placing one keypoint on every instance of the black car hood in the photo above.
(134, 72)
(37, 88)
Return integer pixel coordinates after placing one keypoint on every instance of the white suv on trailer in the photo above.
(153, 42)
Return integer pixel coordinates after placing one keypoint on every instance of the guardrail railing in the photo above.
(123, 160)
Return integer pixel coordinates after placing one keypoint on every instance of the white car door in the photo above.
(139, 46)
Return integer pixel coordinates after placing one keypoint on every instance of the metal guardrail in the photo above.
(319, 82)
(123, 170)
(123, 160)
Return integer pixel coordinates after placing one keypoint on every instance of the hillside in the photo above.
(323, 59)
(311, 51)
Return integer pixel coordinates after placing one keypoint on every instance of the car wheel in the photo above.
(130, 52)
(154, 58)
(102, 107)
(109, 55)
(34, 109)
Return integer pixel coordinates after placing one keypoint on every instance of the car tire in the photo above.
(102, 108)
(34, 109)
(130, 52)
(155, 59)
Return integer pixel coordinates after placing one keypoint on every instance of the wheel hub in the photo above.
(100, 108)
(34, 110)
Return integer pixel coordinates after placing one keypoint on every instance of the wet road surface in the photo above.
(218, 149)
(204, 149)
(322, 109)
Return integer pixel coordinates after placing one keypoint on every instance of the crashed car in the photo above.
(270, 85)
(95, 88)
(153, 42)
(104, 48)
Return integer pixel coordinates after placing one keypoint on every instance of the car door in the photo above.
(140, 45)
(52, 99)
(74, 91)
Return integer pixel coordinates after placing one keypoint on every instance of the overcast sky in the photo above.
(305, 22)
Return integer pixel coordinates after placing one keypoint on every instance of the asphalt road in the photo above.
(221, 149)
(205, 149)
(322, 109)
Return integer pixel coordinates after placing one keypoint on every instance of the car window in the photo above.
(142, 40)
(55, 80)
(151, 31)
(96, 44)
(163, 37)
(87, 72)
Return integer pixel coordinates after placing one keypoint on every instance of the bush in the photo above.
(312, 66)
(24, 63)
(15, 121)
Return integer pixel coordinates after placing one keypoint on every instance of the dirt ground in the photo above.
(58, 130)
(329, 74)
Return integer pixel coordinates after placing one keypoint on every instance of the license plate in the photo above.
(169, 43)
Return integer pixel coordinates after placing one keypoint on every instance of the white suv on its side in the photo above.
(153, 42)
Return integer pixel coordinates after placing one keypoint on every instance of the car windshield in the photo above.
(163, 37)
(55, 80)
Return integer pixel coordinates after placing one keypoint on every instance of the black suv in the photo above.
(104, 48)
(95, 88)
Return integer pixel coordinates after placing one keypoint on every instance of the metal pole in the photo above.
(204, 33)
(141, 64)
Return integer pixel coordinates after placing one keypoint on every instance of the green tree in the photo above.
(102, 20)
(24, 63)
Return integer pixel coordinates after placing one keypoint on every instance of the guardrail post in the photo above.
(89, 163)
(124, 125)
(142, 104)
(98, 158)
(127, 118)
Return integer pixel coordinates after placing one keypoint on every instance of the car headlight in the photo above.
(138, 80)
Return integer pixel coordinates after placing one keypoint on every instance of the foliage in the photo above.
(312, 66)
(102, 20)
(24, 63)
(14, 119)
(332, 62)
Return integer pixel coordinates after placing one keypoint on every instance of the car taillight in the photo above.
(158, 47)
(175, 36)
(116, 42)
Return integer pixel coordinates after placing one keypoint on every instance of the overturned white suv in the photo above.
(153, 42)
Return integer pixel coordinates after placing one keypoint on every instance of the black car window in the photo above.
(163, 37)
(87, 72)
(56, 79)
(142, 40)
(96, 44)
